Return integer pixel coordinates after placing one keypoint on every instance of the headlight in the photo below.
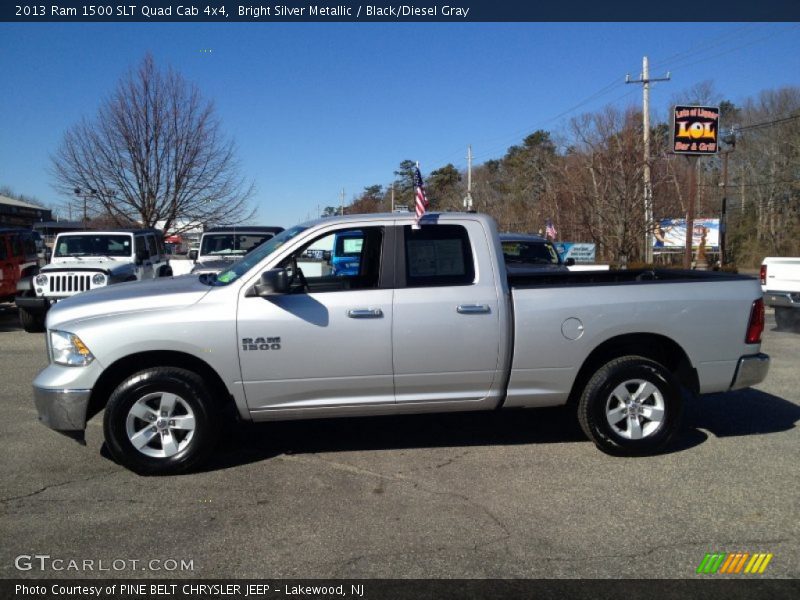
(98, 279)
(68, 349)
(41, 280)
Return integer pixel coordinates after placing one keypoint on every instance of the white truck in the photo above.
(429, 321)
(780, 282)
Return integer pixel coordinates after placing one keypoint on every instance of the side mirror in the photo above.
(326, 256)
(569, 262)
(272, 283)
(193, 255)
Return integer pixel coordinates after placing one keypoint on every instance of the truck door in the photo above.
(326, 344)
(446, 331)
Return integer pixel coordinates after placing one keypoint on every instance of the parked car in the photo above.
(87, 260)
(431, 322)
(19, 259)
(780, 282)
(222, 246)
(525, 253)
(346, 252)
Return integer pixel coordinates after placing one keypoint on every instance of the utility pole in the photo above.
(468, 197)
(341, 202)
(393, 196)
(648, 190)
(687, 253)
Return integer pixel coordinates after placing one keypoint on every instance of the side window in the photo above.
(347, 259)
(160, 245)
(3, 251)
(140, 244)
(16, 246)
(151, 245)
(29, 244)
(438, 255)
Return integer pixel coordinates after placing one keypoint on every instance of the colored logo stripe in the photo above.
(734, 562)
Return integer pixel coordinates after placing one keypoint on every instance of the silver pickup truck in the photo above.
(430, 322)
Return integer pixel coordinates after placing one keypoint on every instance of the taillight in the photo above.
(763, 274)
(756, 325)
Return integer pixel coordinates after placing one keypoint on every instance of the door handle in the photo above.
(473, 309)
(365, 313)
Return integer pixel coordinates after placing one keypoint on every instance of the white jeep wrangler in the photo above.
(86, 260)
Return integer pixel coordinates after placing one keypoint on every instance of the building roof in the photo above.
(15, 202)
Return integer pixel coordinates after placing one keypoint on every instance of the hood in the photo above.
(172, 292)
(214, 265)
(95, 263)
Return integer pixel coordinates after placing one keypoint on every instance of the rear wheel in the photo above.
(630, 406)
(161, 421)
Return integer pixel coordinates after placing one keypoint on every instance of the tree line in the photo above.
(589, 181)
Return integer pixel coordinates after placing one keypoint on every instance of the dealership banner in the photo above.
(582, 253)
(670, 234)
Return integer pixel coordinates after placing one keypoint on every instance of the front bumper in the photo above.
(33, 304)
(750, 370)
(62, 409)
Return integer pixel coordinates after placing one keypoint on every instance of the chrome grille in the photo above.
(70, 284)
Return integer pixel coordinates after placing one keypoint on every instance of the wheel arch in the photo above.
(117, 372)
(656, 347)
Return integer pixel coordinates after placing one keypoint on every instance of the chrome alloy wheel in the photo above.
(635, 409)
(160, 424)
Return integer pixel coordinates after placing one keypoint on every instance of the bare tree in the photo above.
(154, 152)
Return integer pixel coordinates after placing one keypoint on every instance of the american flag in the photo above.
(422, 200)
(550, 230)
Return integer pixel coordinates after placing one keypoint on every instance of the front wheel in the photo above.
(630, 406)
(32, 323)
(161, 421)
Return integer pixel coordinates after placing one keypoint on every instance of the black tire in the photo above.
(787, 319)
(30, 322)
(634, 433)
(150, 389)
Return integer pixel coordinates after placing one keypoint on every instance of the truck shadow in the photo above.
(741, 413)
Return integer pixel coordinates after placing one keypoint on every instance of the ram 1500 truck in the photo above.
(431, 322)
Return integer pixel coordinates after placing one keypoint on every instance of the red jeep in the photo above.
(18, 259)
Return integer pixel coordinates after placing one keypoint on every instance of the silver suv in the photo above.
(86, 260)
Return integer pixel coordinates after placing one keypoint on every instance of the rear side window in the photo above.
(151, 245)
(438, 255)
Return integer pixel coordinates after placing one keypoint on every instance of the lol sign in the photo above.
(695, 129)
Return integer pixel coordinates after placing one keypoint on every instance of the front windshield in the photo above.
(241, 267)
(231, 244)
(537, 253)
(94, 245)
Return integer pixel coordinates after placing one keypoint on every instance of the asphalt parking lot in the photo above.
(518, 494)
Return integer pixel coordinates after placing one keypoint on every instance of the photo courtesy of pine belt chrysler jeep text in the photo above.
(430, 321)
